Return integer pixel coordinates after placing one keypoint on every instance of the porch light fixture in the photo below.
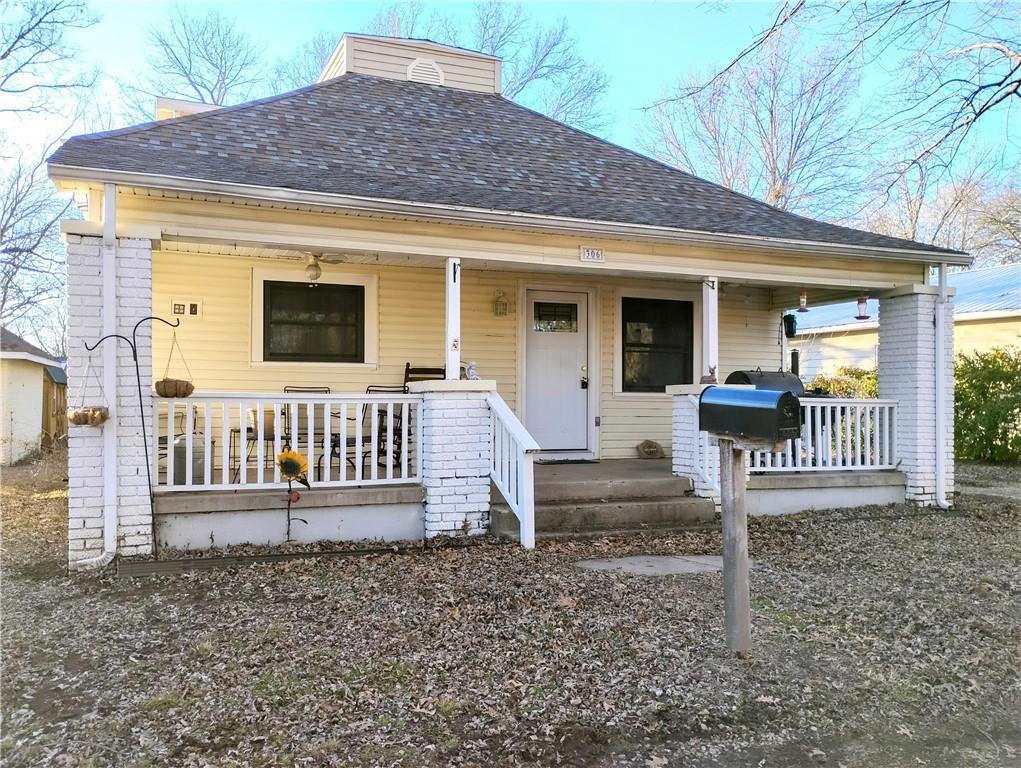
(863, 308)
(803, 301)
(500, 305)
(81, 200)
(312, 269)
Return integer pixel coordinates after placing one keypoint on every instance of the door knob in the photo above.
(584, 382)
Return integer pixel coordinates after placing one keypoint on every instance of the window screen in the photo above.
(321, 323)
(657, 343)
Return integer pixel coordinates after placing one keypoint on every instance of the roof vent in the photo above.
(425, 71)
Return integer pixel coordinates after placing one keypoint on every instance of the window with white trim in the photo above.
(332, 322)
(318, 323)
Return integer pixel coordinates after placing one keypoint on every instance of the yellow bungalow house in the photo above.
(987, 314)
(439, 297)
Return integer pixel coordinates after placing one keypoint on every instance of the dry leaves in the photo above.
(495, 656)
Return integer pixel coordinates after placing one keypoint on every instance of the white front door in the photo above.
(556, 369)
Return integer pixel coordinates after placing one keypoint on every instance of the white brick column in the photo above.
(907, 357)
(86, 460)
(688, 457)
(456, 454)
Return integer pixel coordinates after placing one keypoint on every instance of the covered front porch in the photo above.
(580, 353)
(360, 423)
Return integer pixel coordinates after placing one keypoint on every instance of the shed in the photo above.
(33, 398)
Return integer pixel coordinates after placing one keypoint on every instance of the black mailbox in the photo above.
(750, 415)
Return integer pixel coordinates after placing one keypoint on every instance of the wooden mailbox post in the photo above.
(743, 419)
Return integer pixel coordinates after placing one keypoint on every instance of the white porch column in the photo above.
(109, 290)
(456, 449)
(907, 374)
(453, 319)
(710, 330)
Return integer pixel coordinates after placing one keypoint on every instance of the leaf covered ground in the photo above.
(882, 637)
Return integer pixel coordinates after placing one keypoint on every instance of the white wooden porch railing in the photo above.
(511, 466)
(837, 434)
(230, 441)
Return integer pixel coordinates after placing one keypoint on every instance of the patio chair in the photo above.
(302, 409)
(351, 444)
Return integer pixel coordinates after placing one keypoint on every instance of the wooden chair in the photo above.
(422, 374)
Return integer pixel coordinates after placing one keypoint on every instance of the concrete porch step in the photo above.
(572, 517)
(555, 489)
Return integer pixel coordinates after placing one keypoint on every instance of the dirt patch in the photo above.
(33, 516)
(881, 637)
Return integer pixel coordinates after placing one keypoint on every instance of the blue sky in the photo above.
(642, 46)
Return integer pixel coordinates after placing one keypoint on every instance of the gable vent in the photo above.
(425, 71)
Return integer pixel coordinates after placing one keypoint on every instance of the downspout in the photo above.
(941, 384)
(110, 465)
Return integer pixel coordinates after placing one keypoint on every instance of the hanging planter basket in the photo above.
(167, 387)
(88, 415)
(174, 387)
(83, 415)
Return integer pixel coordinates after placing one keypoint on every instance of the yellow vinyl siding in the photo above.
(217, 345)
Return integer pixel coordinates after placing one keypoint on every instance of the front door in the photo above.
(556, 369)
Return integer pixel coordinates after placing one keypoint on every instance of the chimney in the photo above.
(420, 61)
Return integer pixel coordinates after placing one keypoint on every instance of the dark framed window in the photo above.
(657, 343)
(322, 323)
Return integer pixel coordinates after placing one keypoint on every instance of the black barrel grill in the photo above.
(780, 381)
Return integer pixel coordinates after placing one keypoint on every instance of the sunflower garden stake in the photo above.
(294, 469)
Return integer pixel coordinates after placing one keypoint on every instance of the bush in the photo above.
(988, 405)
(847, 382)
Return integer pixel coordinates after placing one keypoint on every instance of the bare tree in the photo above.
(999, 225)
(960, 67)
(36, 60)
(202, 58)
(965, 212)
(31, 254)
(402, 19)
(306, 64)
(775, 128)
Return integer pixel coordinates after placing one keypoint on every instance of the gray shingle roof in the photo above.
(372, 137)
(11, 342)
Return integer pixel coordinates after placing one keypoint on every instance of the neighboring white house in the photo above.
(23, 373)
(333, 255)
(987, 314)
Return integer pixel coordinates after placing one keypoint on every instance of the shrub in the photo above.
(848, 382)
(988, 405)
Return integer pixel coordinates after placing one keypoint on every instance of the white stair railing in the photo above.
(213, 441)
(511, 466)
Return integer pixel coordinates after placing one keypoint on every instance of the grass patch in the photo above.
(163, 702)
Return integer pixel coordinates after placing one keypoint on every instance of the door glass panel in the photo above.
(554, 317)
